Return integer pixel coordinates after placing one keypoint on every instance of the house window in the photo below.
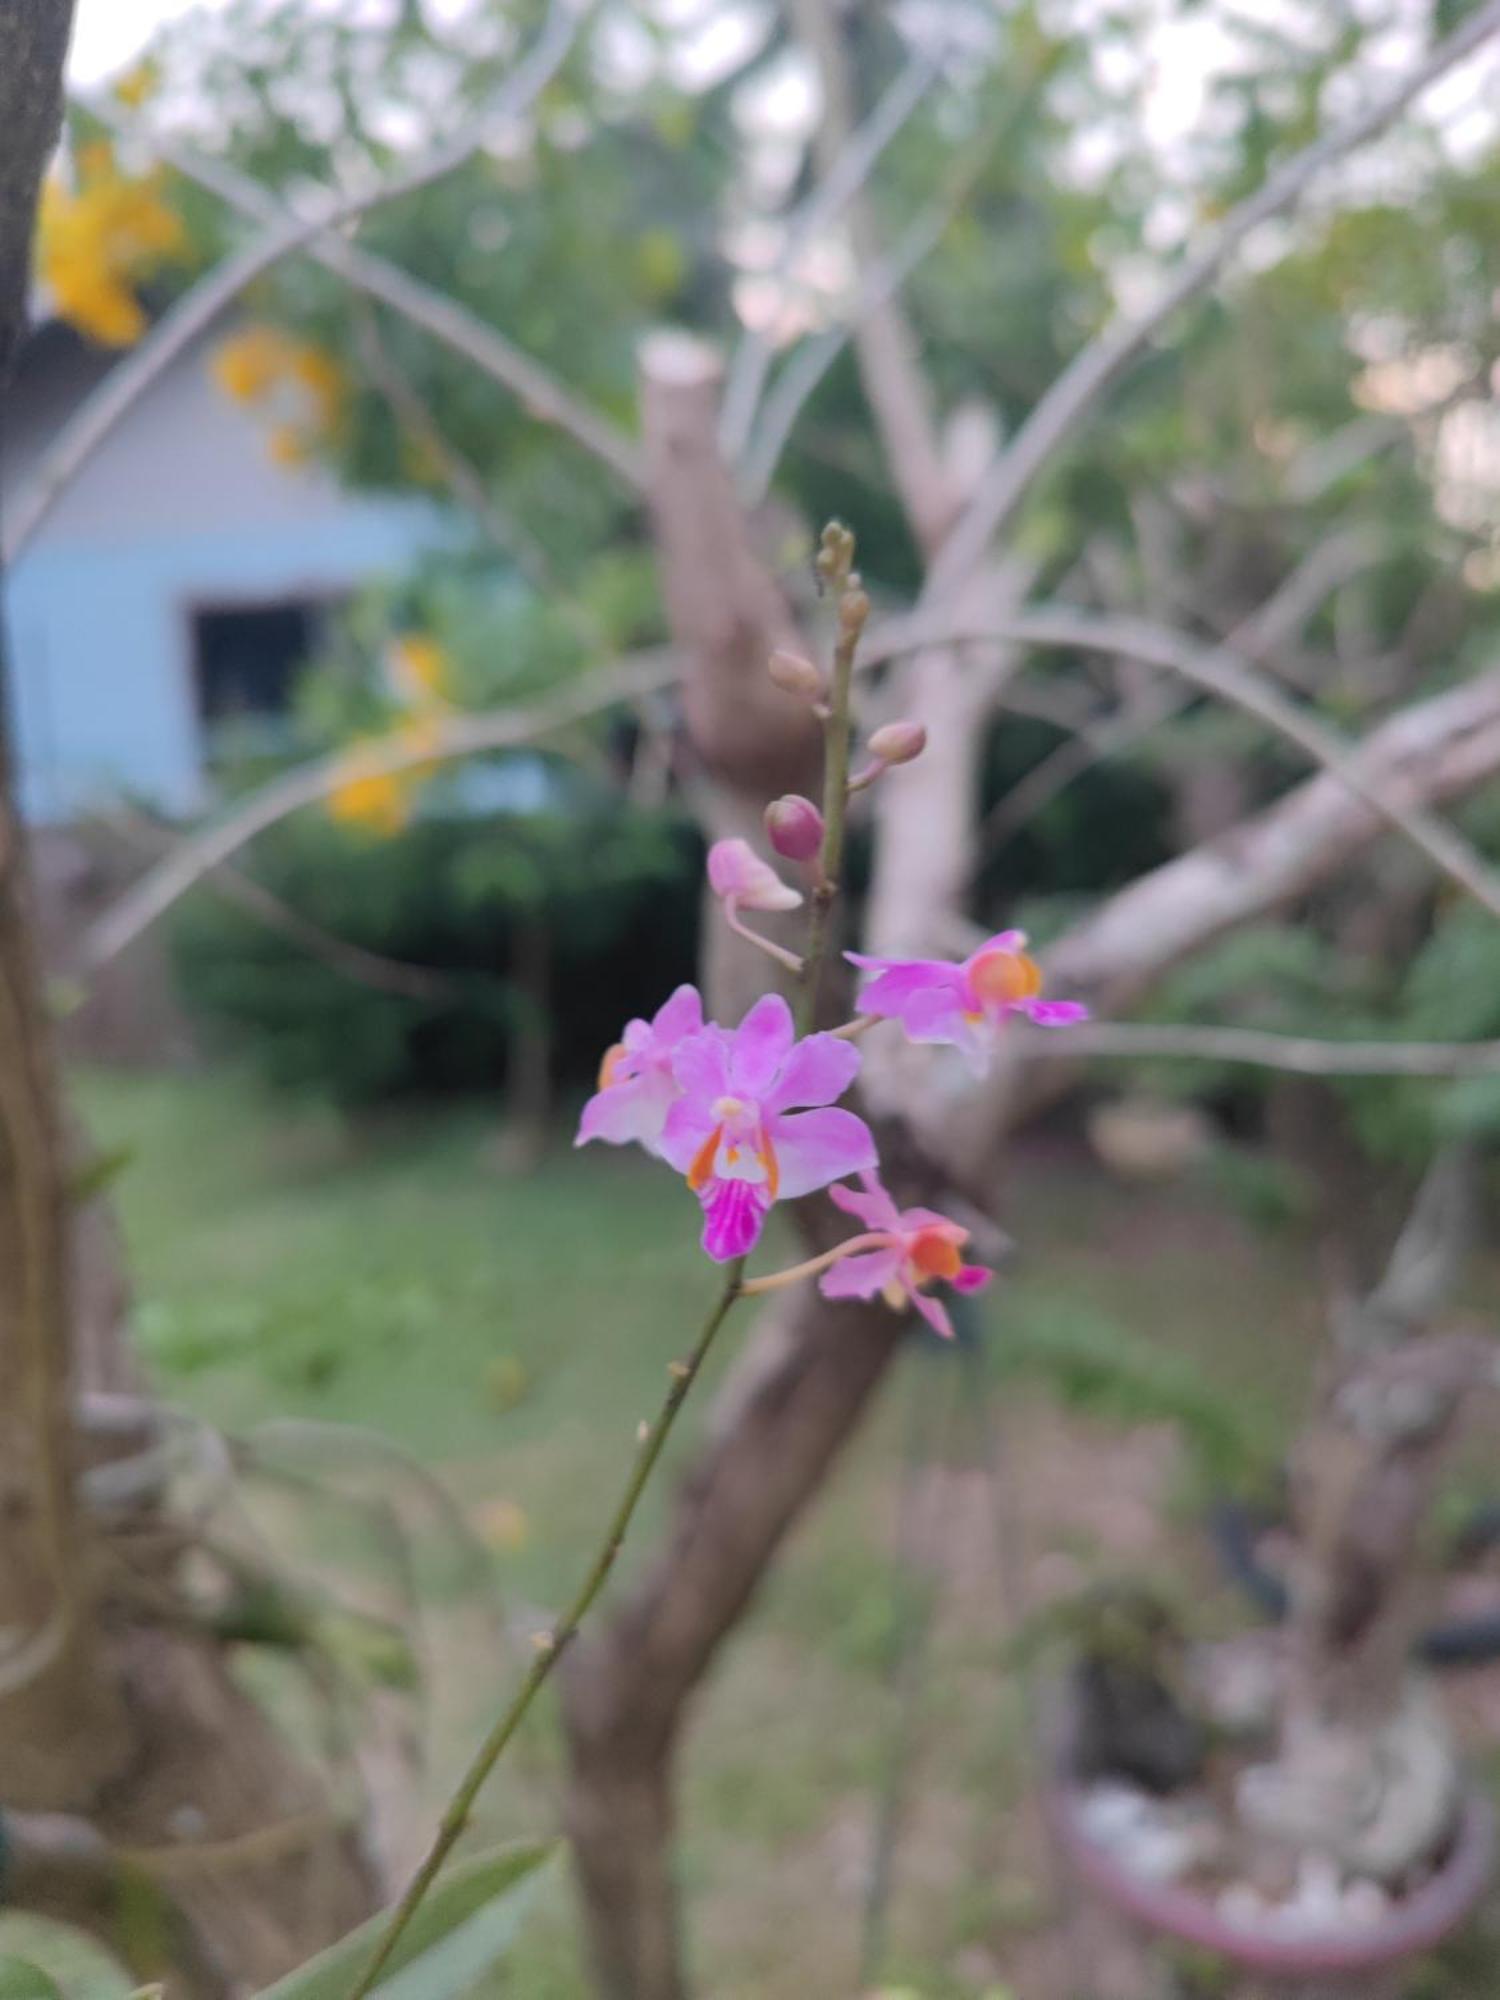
(246, 661)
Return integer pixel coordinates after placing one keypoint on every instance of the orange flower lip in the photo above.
(1004, 977)
(934, 1251)
(609, 1069)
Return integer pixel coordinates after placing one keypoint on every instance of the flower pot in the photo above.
(1336, 1960)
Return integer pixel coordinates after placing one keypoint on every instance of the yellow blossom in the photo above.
(420, 671)
(248, 364)
(138, 83)
(300, 384)
(99, 239)
(379, 801)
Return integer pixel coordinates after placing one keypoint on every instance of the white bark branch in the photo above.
(854, 157)
(1425, 755)
(452, 736)
(121, 389)
(1302, 1055)
(1220, 673)
(1073, 396)
(896, 389)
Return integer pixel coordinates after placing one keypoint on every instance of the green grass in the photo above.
(512, 1332)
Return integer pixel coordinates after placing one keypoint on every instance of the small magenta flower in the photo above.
(964, 1004)
(794, 827)
(636, 1085)
(738, 1132)
(910, 1249)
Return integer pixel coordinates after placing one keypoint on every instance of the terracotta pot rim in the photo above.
(1415, 1925)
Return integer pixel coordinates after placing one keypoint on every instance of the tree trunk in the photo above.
(169, 1777)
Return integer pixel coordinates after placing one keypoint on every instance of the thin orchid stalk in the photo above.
(776, 1281)
(835, 561)
(551, 1645)
(779, 952)
(853, 610)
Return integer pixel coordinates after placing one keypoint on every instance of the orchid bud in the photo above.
(794, 827)
(794, 675)
(898, 742)
(835, 556)
(854, 609)
(737, 874)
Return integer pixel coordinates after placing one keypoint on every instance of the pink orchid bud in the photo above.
(794, 827)
(737, 874)
(898, 742)
(794, 675)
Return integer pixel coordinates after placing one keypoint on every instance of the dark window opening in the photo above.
(246, 662)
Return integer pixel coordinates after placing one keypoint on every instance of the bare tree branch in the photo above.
(1071, 398)
(117, 394)
(1232, 680)
(448, 736)
(1331, 563)
(1426, 755)
(463, 478)
(1302, 1055)
(850, 159)
(896, 389)
(448, 322)
(351, 961)
(807, 366)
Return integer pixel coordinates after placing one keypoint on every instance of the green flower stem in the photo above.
(854, 609)
(550, 1645)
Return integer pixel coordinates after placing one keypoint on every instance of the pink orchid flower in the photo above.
(636, 1085)
(910, 1249)
(734, 1131)
(739, 877)
(964, 1004)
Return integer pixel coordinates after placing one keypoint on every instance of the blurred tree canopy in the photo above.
(1321, 434)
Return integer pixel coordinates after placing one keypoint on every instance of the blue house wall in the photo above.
(101, 644)
(183, 509)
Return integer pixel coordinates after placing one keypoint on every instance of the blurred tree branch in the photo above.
(100, 413)
(1093, 371)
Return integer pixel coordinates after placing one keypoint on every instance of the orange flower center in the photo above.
(934, 1251)
(1004, 977)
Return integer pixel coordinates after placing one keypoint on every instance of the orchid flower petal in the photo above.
(679, 1016)
(874, 1208)
(1055, 1013)
(688, 1128)
(861, 1277)
(815, 1147)
(701, 1064)
(760, 1045)
(734, 1213)
(817, 1071)
(934, 1312)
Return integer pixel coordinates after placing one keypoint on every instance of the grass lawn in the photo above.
(511, 1332)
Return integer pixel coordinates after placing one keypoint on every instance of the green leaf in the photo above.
(21, 1980)
(466, 1923)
